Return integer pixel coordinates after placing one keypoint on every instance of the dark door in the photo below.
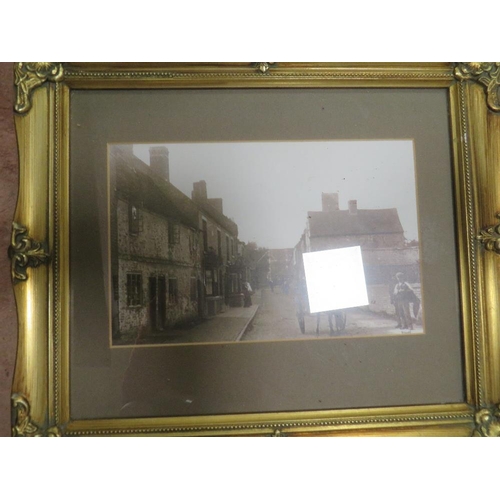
(153, 302)
(221, 284)
(227, 287)
(162, 302)
(201, 298)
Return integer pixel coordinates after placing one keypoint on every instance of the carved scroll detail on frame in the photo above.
(23, 425)
(488, 422)
(490, 237)
(24, 252)
(487, 73)
(29, 76)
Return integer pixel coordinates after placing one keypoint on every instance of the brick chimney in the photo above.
(216, 203)
(199, 192)
(353, 207)
(329, 202)
(158, 161)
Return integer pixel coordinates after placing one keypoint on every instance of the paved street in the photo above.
(225, 327)
(276, 320)
(272, 316)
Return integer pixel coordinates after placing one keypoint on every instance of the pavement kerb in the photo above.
(247, 324)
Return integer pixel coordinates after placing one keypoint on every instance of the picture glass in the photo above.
(192, 214)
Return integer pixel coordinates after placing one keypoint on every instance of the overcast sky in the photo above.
(268, 187)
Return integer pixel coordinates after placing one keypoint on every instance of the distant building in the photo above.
(170, 255)
(378, 232)
(281, 265)
(257, 262)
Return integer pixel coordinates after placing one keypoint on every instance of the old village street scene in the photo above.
(204, 252)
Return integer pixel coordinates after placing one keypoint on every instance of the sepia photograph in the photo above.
(263, 241)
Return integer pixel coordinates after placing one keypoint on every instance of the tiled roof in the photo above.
(209, 210)
(140, 184)
(363, 222)
(159, 197)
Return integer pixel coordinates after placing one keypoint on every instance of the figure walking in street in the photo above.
(403, 295)
(247, 294)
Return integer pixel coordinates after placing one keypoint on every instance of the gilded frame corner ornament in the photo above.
(488, 422)
(23, 425)
(29, 76)
(25, 252)
(490, 237)
(486, 73)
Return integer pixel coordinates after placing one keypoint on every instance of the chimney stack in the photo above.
(216, 203)
(199, 192)
(353, 207)
(158, 161)
(329, 202)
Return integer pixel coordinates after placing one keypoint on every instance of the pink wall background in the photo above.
(8, 195)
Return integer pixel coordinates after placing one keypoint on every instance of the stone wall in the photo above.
(133, 319)
(152, 241)
(150, 254)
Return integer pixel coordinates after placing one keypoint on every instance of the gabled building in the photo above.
(281, 265)
(156, 255)
(335, 228)
(378, 232)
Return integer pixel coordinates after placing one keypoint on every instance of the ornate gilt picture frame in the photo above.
(67, 114)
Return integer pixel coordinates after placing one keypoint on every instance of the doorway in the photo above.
(157, 302)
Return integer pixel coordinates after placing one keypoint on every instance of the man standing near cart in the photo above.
(403, 295)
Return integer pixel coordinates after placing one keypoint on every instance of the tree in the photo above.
(257, 260)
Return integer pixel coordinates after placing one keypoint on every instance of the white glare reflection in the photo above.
(335, 279)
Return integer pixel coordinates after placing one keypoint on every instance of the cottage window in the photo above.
(209, 282)
(205, 235)
(219, 242)
(174, 233)
(228, 256)
(134, 289)
(134, 220)
(216, 282)
(192, 242)
(173, 292)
